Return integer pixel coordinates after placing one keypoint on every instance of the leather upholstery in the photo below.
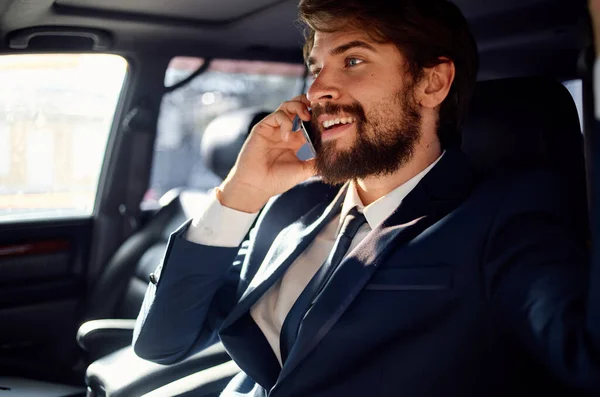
(116, 294)
(120, 290)
(123, 374)
(520, 122)
(104, 336)
(206, 383)
(523, 122)
(225, 136)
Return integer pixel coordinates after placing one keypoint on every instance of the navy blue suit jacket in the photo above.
(470, 288)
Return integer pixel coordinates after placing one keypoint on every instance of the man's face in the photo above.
(363, 106)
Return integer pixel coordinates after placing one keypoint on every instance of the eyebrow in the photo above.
(342, 49)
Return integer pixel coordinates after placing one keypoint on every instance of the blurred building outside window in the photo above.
(185, 113)
(56, 111)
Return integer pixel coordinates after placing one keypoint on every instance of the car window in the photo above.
(56, 112)
(185, 113)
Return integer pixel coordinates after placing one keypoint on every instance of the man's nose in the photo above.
(323, 88)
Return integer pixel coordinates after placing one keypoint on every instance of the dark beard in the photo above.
(383, 144)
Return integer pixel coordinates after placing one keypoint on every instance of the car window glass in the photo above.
(56, 115)
(185, 113)
(181, 68)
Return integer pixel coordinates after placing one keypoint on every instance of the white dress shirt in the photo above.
(225, 227)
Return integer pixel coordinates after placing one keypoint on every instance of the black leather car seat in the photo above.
(513, 124)
(119, 291)
(524, 123)
(531, 123)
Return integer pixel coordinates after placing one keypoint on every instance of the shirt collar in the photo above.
(380, 210)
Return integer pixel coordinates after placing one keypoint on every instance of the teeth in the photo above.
(343, 120)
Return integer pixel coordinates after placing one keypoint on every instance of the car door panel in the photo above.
(42, 287)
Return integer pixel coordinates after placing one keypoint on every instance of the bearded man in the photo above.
(383, 266)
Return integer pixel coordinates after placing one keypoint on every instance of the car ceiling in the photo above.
(515, 37)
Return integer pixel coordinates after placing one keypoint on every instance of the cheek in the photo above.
(368, 90)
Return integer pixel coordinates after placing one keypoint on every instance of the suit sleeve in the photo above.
(539, 280)
(180, 315)
(197, 285)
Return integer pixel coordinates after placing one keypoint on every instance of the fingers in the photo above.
(274, 125)
(297, 106)
(284, 123)
(282, 119)
(302, 98)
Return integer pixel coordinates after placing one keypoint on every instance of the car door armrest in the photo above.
(101, 337)
(209, 382)
(123, 373)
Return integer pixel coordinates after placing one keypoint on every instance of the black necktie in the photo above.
(352, 222)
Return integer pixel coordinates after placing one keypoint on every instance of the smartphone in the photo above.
(309, 133)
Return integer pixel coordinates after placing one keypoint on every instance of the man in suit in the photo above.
(394, 271)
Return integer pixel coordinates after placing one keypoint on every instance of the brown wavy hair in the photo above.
(426, 32)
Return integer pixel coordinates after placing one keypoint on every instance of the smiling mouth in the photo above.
(329, 124)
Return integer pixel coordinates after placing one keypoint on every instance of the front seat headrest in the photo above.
(523, 122)
(224, 137)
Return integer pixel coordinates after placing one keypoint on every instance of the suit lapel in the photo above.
(239, 333)
(442, 190)
(290, 242)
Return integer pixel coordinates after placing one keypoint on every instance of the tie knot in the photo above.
(352, 222)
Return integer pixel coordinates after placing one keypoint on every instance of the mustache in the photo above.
(354, 109)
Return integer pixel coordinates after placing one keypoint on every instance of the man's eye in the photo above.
(353, 62)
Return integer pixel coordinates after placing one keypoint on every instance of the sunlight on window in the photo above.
(57, 110)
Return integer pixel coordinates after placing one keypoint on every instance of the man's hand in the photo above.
(267, 164)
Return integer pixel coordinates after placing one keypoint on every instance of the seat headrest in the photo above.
(224, 137)
(523, 122)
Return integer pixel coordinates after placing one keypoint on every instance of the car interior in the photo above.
(187, 82)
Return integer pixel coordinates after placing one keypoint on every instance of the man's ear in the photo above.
(436, 83)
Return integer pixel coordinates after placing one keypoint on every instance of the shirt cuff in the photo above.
(220, 226)
(597, 87)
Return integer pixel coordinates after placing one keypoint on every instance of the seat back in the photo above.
(520, 123)
(120, 289)
(523, 122)
(225, 136)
